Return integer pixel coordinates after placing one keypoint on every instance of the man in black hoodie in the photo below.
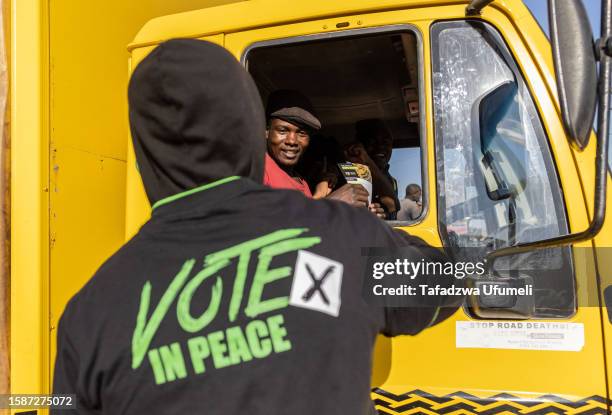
(233, 298)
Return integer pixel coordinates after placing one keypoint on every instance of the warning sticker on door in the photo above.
(520, 335)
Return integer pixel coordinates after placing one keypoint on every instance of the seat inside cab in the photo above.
(349, 78)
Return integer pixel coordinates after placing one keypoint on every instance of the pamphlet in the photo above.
(356, 173)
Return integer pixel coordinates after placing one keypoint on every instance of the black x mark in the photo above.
(316, 286)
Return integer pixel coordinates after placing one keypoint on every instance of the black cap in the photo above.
(292, 106)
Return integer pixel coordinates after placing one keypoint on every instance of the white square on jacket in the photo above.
(317, 283)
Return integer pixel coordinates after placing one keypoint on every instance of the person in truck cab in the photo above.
(233, 297)
(373, 147)
(291, 121)
(411, 205)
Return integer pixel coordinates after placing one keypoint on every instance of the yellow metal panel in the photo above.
(88, 71)
(603, 243)
(138, 209)
(29, 198)
(486, 372)
(576, 171)
(263, 13)
(85, 228)
(5, 276)
(68, 90)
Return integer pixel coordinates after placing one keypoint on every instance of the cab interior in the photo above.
(349, 78)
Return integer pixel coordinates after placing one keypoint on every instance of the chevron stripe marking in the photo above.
(379, 397)
(414, 398)
(419, 411)
(587, 408)
(410, 400)
(547, 405)
(497, 404)
(598, 404)
(461, 403)
(384, 410)
(462, 412)
(455, 401)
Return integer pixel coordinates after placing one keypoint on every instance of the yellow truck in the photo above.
(502, 148)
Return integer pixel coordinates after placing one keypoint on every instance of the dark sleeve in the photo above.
(66, 376)
(419, 312)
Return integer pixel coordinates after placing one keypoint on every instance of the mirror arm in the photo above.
(601, 162)
(475, 7)
(603, 46)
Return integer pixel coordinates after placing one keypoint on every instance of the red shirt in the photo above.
(276, 178)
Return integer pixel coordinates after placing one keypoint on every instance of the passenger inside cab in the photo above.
(291, 120)
(373, 147)
(363, 88)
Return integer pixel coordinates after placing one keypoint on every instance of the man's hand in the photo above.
(376, 209)
(356, 153)
(353, 194)
(323, 189)
(389, 203)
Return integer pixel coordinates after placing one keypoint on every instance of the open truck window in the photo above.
(362, 80)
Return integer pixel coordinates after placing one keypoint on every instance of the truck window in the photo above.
(496, 178)
(362, 83)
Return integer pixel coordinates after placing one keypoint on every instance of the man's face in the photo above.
(286, 142)
(414, 194)
(384, 145)
(380, 147)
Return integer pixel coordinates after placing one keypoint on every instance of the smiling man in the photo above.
(291, 121)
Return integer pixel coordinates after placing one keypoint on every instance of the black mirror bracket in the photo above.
(475, 7)
(603, 45)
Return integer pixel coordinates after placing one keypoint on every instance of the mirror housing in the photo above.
(576, 67)
(489, 109)
(491, 305)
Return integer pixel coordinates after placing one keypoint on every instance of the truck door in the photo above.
(485, 187)
(503, 178)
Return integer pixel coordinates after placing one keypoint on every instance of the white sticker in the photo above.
(520, 335)
(316, 283)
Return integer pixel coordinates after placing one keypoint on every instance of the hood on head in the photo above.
(195, 116)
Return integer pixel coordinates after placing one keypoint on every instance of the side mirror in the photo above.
(576, 67)
(499, 297)
(489, 112)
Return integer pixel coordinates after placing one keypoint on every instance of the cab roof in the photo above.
(254, 14)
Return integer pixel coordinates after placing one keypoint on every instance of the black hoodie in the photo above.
(233, 298)
(195, 117)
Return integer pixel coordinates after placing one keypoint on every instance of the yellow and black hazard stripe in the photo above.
(420, 402)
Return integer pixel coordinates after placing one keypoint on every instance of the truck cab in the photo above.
(471, 105)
